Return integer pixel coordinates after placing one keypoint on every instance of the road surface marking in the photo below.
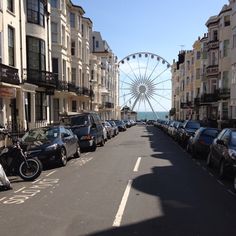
(220, 182)
(137, 164)
(2, 198)
(121, 209)
(36, 181)
(211, 174)
(19, 190)
(231, 192)
(51, 173)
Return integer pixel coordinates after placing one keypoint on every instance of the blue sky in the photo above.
(156, 26)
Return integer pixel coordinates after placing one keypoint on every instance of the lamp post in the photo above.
(91, 95)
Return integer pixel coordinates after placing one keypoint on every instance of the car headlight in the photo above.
(51, 147)
(232, 153)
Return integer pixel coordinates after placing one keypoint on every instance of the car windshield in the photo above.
(79, 120)
(211, 132)
(193, 125)
(41, 134)
(233, 138)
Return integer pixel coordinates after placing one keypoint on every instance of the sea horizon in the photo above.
(149, 115)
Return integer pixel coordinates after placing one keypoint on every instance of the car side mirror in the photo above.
(93, 126)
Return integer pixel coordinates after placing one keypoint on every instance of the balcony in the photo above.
(209, 98)
(61, 85)
(85, 91)
(197, 101)
(44, 79)
(109, 105)
(212, 70)
(106, 105)
(223, 93)
(213, 45)
(186, 105)
(9, 75)
(72, 87)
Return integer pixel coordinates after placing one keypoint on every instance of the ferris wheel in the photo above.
(145, 83)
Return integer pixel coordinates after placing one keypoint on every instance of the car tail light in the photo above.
(201, 141)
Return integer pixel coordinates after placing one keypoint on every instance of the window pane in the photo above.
(10, 5)
(11, 46)
(36, 53)
(54, 3)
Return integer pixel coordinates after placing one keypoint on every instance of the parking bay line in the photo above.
(51, 173)
(120, 212)
(1, 199)
(19, 190)
(137, 164)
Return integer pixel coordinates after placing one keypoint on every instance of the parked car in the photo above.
(175, 132)
(223, 152)
(188, 129)
(51, 144)
(114, 126)
(88, 128)
(110, 131)
(121, 125)
(199, 144)
(104, 132)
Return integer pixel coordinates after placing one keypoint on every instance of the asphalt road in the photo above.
(140, 183)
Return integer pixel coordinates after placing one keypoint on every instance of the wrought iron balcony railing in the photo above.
(61, 85)
(41, 78)
(213, 45)
(223, 93)
(212, 70)
(9, 75)
(109, 105)
(209, 98)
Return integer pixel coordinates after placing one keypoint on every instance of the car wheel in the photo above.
(222, 169)
(188, 148)
(102, 142)
(63, 157)
(94, 146)
(234, 182)
(194, 154)
(78, 152)
(209, 160)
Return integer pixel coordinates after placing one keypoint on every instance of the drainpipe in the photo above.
(49, 67)
(25, 112)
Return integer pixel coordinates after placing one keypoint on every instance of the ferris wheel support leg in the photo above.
(151, 107)
(135, 102)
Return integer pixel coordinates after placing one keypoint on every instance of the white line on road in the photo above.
(211, 174)
(19, 190)
(51, 173)
(121, 209)
(137, 164)
(36, 181)
(1, 199)
(231, 192)
(221, 183)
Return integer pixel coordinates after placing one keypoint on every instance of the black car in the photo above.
(187, 130)
(88, 128)
(199, 144)
(51, 144)
(121, 125)
(223, 152)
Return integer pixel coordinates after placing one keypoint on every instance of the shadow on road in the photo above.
(185, 193)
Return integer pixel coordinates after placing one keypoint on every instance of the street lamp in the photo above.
(91, 95)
